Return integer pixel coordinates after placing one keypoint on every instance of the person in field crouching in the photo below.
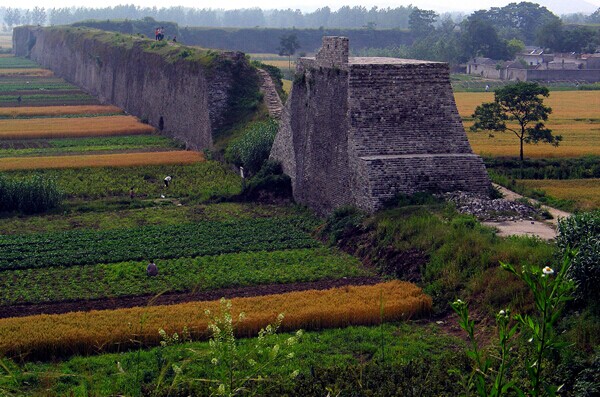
(167, 180)
(152, 269)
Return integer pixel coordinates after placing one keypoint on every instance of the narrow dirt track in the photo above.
(173, 298)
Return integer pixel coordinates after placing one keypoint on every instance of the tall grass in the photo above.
(29, 195)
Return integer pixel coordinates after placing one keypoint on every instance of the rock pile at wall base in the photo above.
(359, 131)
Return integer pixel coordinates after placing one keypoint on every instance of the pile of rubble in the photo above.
(495, 210)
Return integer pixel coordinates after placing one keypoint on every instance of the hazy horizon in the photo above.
(557, 6)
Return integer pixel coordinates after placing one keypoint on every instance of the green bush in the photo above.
(252, 149)
(270, 180)
(582, 232)
(29, 195)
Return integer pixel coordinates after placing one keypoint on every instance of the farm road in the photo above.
(545, 230)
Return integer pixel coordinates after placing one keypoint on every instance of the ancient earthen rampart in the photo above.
(358, 131)
(184, 95)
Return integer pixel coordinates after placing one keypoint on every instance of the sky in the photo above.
(304, 5)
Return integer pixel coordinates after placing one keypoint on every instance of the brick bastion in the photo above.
(358, 131)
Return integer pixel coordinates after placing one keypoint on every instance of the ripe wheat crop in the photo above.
(565, 104)
(33, 111)
(101, 160)
(37, 72)
(70, 128)
(98, 331)
(579, 139)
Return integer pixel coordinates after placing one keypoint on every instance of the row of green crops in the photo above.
(49, 99)
(27, 86)
(199, 181)
(152, 242)
(28, 195)
(16, 63)
(43, 147)
(204, 273)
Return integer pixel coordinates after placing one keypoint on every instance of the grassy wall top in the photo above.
(168, 50)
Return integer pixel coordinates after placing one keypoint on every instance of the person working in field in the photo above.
(167, 180)
(152, 269)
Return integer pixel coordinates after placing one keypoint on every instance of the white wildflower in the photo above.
(548, 270)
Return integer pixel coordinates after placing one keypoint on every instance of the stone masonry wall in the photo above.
(312, 143)
(361, 133)
(185, 100)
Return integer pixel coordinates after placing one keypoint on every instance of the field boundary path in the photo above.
(171, 298)
(545, 230)
(272, 100)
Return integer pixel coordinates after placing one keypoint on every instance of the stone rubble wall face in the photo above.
(312, 140)
(191, 100)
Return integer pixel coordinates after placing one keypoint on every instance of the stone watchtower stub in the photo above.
(359, 131)
(333, 53)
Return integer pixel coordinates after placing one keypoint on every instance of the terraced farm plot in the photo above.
(584, 192)
(101, 160)
(33, 72)
(166, 242)
(95, 331)
(576, 116)
(57, 284)
(17, 63)
(45, 147)
(199, 181)
(148, 215)
(72, 128)
(56, 111)
(5, 42)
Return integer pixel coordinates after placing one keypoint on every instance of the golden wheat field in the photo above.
(31, 111)
(579, 139)
(586, 192)
(26, 72)
(565, 104)
(280, 63)
(73, 127)
(101, 160)
(96, 331)
(5, 41)
(576, 116)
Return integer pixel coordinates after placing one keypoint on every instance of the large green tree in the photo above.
(521, 104)
(288, 44)
(421, 22)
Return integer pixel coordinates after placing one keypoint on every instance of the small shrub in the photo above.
(30, 195)
(252, 149)
(269, 180)
(582, 232)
